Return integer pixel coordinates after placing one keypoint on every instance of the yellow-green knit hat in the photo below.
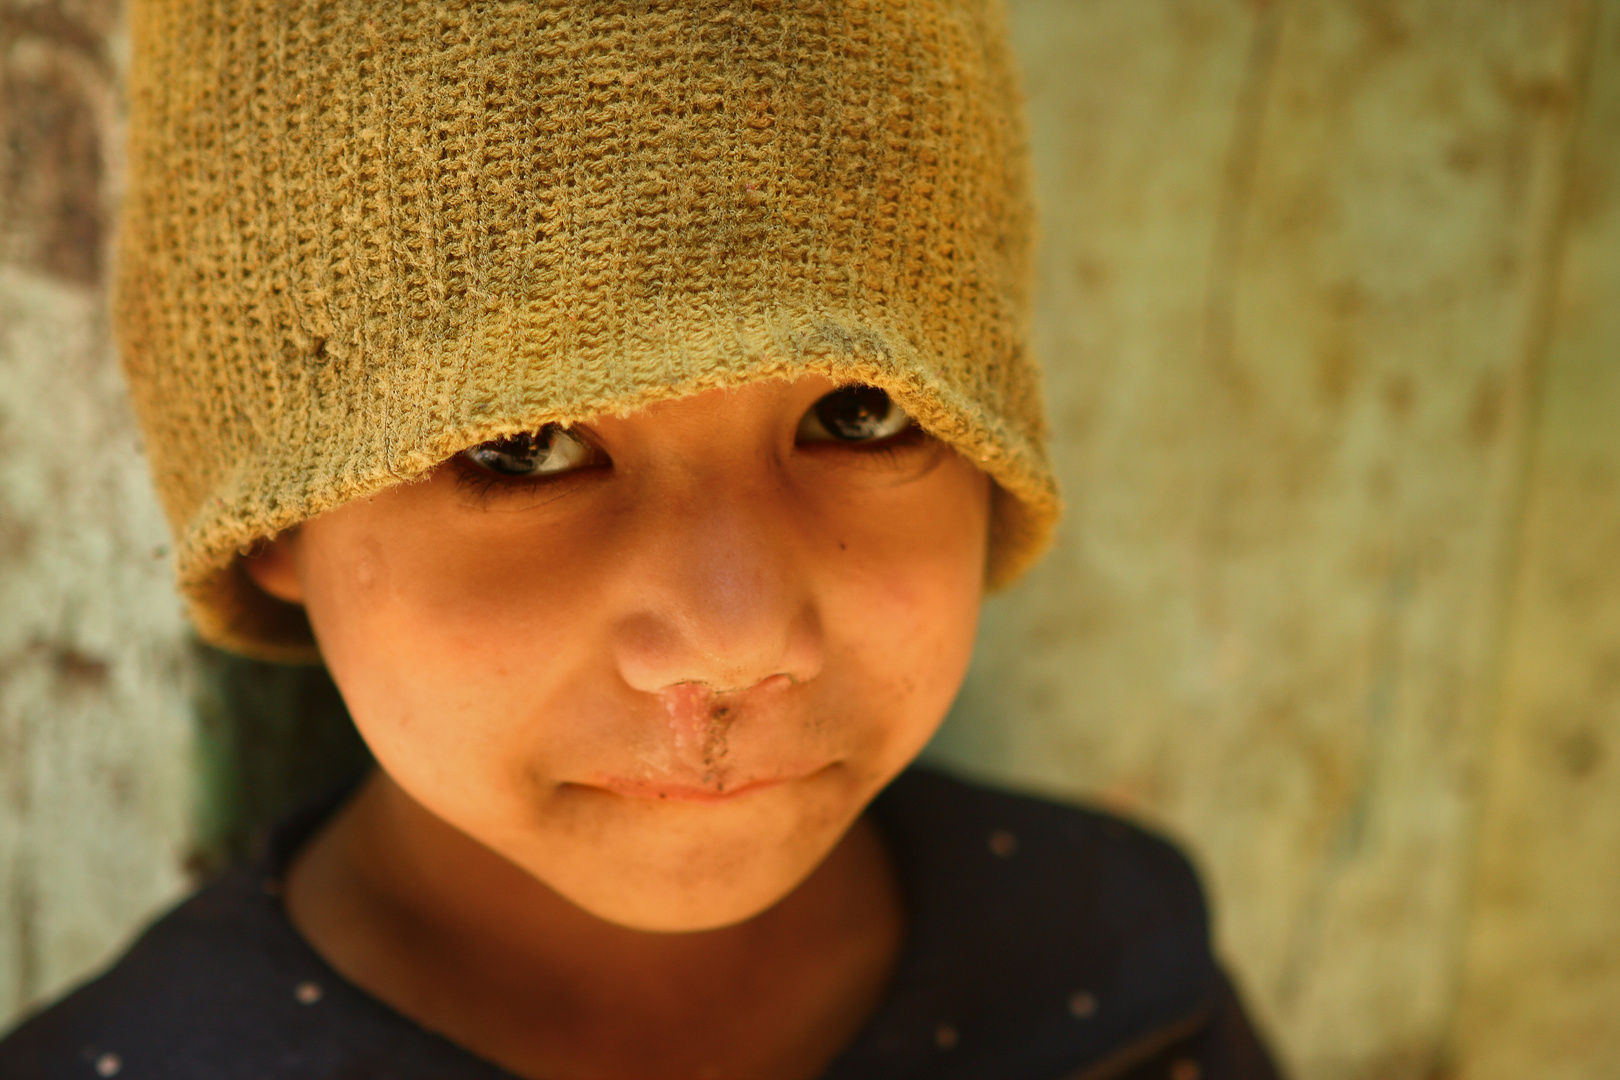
(362, 236)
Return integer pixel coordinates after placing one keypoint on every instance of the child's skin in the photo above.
(628, 717)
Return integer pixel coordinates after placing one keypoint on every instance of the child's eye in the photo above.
(858, 414)
(552, 449)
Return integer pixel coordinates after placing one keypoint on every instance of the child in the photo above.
(627, 401)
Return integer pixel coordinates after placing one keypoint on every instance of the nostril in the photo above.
(655, 651)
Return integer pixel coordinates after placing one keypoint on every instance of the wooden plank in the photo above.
(93, 712)
(1542, 985)
(1289, 370)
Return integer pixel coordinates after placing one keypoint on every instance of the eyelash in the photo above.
(889, 449)
(484, 485)
(475, 480)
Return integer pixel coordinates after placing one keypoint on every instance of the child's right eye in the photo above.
(551, 450)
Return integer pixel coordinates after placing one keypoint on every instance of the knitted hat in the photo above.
(360, 237)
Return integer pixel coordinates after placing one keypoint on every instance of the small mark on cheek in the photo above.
(366, 572)
(370, 569)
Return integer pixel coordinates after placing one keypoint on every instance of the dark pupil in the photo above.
(517, 455)
(854, 412)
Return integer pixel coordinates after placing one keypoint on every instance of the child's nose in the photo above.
(721, 598)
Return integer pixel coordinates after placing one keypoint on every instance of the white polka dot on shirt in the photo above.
(308, 993)
(1082, 1003)
(108, 1065)
(1003, 843)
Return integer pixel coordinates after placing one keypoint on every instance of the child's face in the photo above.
(665, 678)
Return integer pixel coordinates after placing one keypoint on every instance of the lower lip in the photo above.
(700, 796)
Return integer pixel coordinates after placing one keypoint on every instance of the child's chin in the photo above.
(683, 911)
(692, 875)
(682, 900)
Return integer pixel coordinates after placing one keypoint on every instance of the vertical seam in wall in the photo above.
(1531, 377)
(1232, 218)
(1216, 351)
(25, 913)
(22, 896)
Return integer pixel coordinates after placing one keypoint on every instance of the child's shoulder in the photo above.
(1047, 939)
(222, 987)
(1024, 850)
(1056, 929)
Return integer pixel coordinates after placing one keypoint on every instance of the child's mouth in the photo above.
(711, 792)
(706, 795)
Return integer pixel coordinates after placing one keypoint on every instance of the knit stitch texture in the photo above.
(359, 237)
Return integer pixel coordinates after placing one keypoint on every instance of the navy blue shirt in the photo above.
(1043, 942)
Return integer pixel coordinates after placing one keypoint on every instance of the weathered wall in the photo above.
(1296, 297)
(1541, 991)
(93, 700)
(1331, 305)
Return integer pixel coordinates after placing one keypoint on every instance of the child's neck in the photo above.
(469, 945)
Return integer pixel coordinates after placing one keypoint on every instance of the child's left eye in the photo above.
(853, 414)
(552, 449)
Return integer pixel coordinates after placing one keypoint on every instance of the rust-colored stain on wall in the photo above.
(59, 92)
